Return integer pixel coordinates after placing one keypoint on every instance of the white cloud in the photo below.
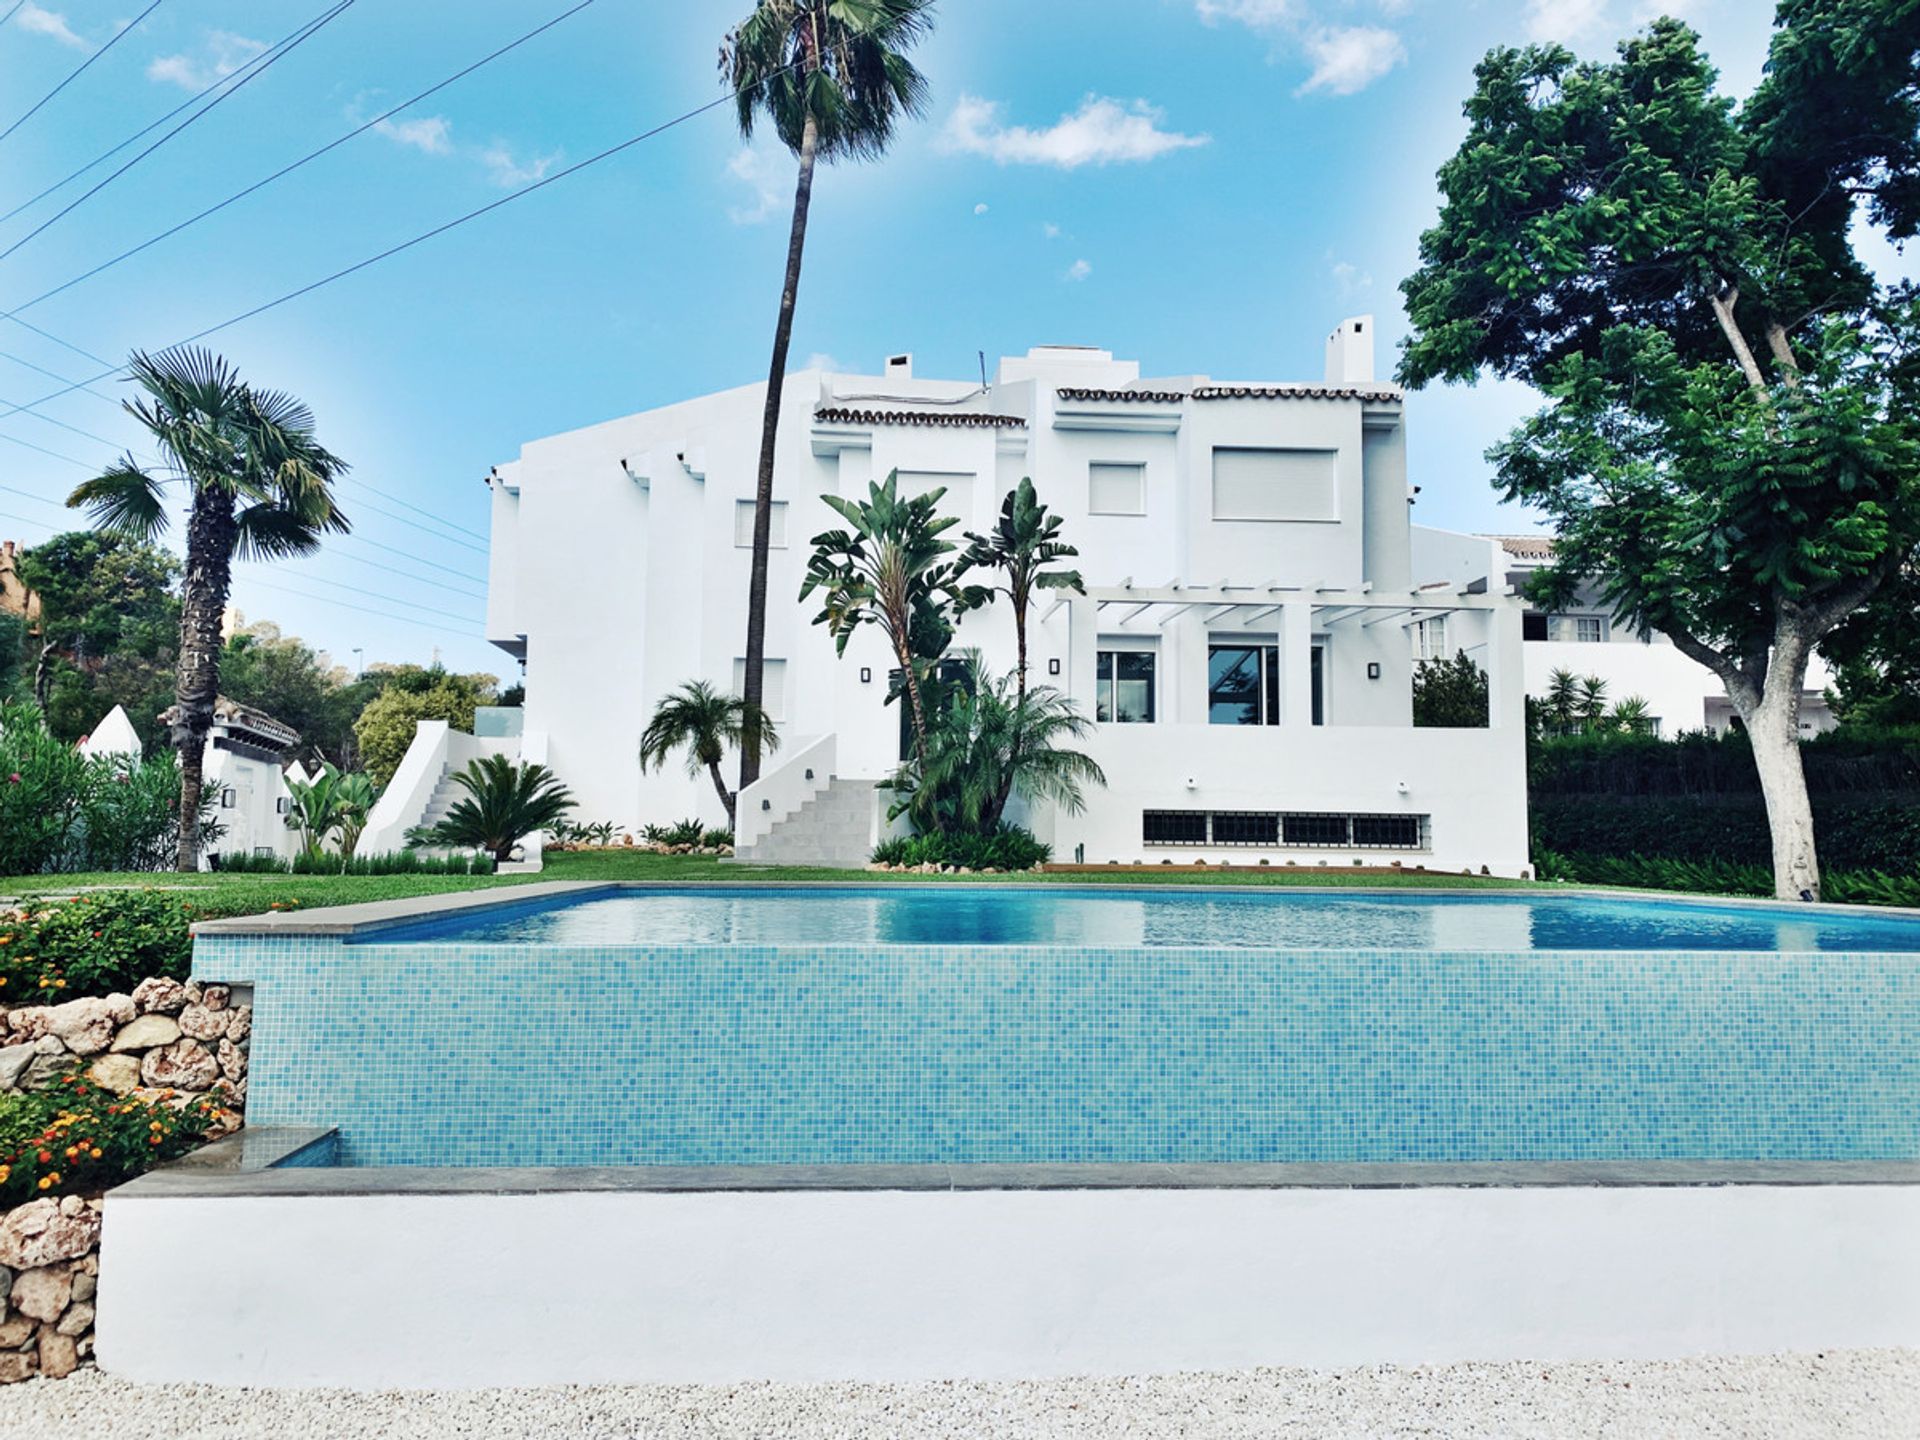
(1562, 22)
(50, 23)
(766, 168)
(430, 134)
(1100, 132)
(981, 208)
(820, 360)
(1079, 270)
(1351, 279)
(1050, 230)
(1347, 59)
(1256, 14)
(223, 53)
(508, 171)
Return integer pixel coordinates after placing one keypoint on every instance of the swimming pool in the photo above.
(871, 1026)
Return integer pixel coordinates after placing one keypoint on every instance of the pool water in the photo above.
(1160, 918)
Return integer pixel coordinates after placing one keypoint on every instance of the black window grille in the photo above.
(1317, 830)
(1244, 828)
(1388, 832)
(1173, 827)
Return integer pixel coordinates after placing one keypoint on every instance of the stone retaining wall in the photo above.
(167, 1036)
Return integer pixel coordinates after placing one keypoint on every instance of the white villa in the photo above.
(1246, 639)
(1587, 640)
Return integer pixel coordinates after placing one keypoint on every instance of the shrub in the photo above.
(505, 802)
(714, 839)
(1721, 877)
(385, 728)
(76, 1138)
(682, 832)
(399, 862)
(1450, 694)
(1010, 847)
(94, 944)
(1855, 832)
(41, 781)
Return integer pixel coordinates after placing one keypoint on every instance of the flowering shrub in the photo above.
(77, 1138)
(94, 945)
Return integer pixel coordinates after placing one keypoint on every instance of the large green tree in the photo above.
(283, 676)
(409, 694)
(833, 79)
(1727, 443)
(258, 486)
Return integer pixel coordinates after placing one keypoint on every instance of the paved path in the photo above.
(1867, 1394)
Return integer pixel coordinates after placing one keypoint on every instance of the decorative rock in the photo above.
(87, 1026)
(83, 1286)
(43, 1294)
(194, 992)
(241, 1025)
(16, 1332)
(147, 1033)
(13, 1064)
(16, 1366)
(77, 1321)
(47, 1065)
(118, 1073)
(29, 1022)
(159, 996)
(58, 1356)
(183, 1065)
(202, 1023)
(233, 1060)
(216, 997)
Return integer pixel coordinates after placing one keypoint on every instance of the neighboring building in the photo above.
(15, 597)
(243, 769)
(1244, 641)
(1586, 640)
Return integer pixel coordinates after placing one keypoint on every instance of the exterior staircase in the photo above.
(446, 793)
(834, 827)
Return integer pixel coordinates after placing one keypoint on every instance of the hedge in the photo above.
(1854, 832)
(1721, 877)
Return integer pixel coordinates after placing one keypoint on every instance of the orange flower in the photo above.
(95, 1152)
(43, 1157)
(73, 1152)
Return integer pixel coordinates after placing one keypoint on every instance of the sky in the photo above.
(1206, 186)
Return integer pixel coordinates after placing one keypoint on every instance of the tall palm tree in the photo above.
(833, 79)
(705, 723)
(1024, 544)
(258, 487)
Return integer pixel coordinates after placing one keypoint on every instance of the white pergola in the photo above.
(1330, 605)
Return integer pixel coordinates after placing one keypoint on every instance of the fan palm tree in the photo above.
(1024, 544)
(891, 569)
(705, 723)
(833, 79)
(258, 487)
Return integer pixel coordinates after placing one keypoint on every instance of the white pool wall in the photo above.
(476, 1290)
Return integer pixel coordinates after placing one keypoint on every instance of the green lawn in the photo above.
(249, 894)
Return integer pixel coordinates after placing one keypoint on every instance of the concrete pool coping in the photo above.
(371, 917)
(246, 1164)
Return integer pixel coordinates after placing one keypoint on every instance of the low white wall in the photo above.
(483, 1290)
(793, 780)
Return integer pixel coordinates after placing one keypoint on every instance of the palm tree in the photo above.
(505, 802)
(989, 742)
(705, 723)
(890, 570)
(833, 79)
(258, 488)
(1024, 543)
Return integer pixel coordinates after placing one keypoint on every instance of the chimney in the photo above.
(1350, 352)
(900, 367)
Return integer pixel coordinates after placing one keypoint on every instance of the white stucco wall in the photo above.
(461, 1291)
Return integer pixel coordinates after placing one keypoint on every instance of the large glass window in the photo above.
(1243, 685)
(1124, 692)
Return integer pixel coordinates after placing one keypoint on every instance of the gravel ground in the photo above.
(1839, 1393)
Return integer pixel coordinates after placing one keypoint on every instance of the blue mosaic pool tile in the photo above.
(449, 1054)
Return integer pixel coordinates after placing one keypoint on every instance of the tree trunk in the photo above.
(210, 535)
(1773, 727)
(752, 687)
(726, 795)
(43, 677)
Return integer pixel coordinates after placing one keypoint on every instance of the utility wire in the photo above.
(306, 159)
(408, 555)
(363, 609)
(388, 567)
(364, 504)
(313, 28)
(371, 594)
(12, 10)
(385, 495)
(151, 126)
(119, 35)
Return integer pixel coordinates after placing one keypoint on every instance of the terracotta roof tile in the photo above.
(938, 419)
(1297, 392)
(1138, 397)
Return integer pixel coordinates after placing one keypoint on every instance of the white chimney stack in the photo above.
(1350, 352)
(900, 366)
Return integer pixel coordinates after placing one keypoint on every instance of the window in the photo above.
(1319, 685)
(1269, 830)
(1319, 830)
(1589, 629)
(1123, 693)
(1386, 832)
(1114, 489)
(773, 686)
(1239, 828)
(1173, 827)
(1243, 685)
(1430, 639)
(1533, 626)
(1276, 485)
(743, 524)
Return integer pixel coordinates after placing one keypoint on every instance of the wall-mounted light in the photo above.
(1053, 667)
(866, 674)
(280, 806)
(1373, 670)
(228, 799)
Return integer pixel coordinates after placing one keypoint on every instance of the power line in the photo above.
(374, 595)
(416, 525)
(56, 375)
(148, 128)
(555, 178)
(12, 10)
(306, 159)
(119, 35)
(28, 494)
(387, 567)
(363, 609)
(362, 485)
(404, 555)
(313, 28)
